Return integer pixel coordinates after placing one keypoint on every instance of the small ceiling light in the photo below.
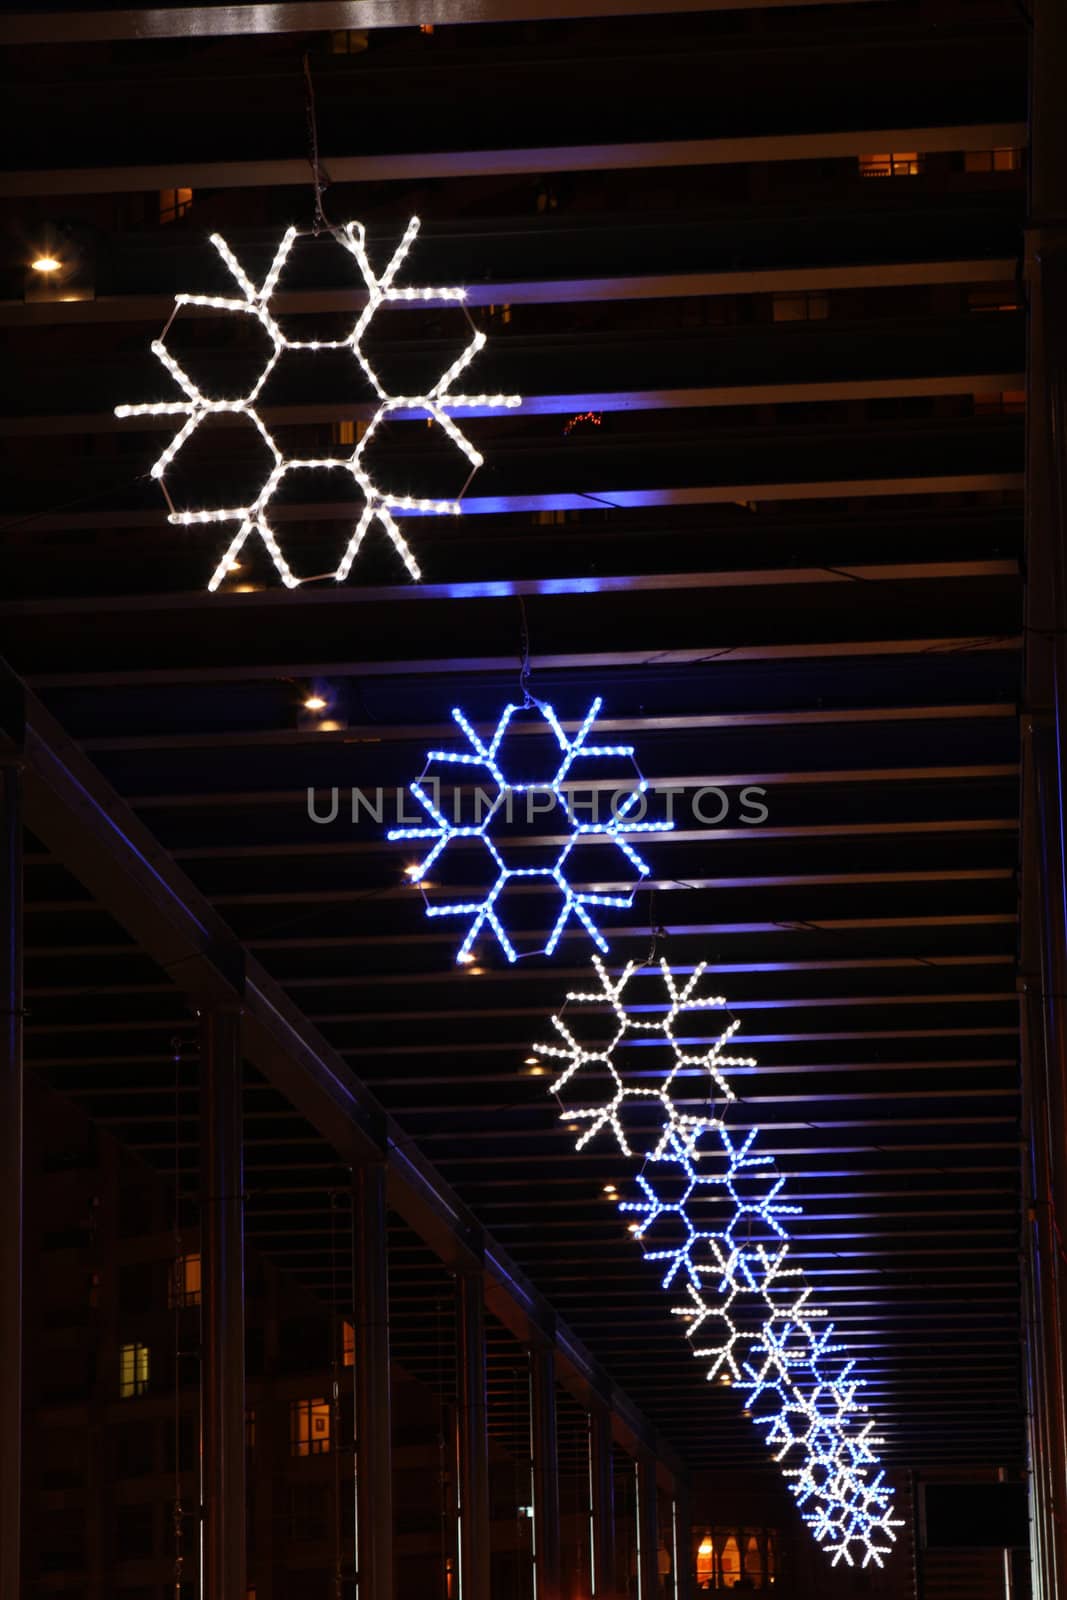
(46, 264)
(725, 1379)
(412, 871)
(537, 1072)
(532, 1061)
(467, 959)
(610, 1189)
(233, 566)
(314, 702)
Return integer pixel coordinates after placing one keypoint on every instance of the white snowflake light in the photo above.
(378, 502)
(500, 790)
(710, 1212)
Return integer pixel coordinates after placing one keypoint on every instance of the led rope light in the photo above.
(710, 1212)
(378, 503)
(501, 788)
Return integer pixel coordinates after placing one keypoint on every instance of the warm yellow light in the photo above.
(537, 1072)
(609, 1188)
(46, 264)
(465, 958)
(412, 871)
(705, 1547)
(314, 702)
(233, 566)
(532, 1061)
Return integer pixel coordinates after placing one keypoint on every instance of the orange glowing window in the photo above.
(174, 203)
(706, 1563)
(753, 1562)
(309, 1428)
(729, 1564)
(1009, 403)
(901, 164)
(348, 1344)
(185, 1283)
(1006, 159)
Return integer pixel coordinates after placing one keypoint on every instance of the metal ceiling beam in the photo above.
(580, 500)
(76, 26)
(541, 405)
(149, 307)
(509, 588)
(439, 164)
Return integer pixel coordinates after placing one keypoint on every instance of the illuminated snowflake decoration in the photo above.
(621, 1087)
(499, 794)
(710, 1211)
(378, 502)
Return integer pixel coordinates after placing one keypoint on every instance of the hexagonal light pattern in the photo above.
(378, 502)
(710, 1212)
(502, 788)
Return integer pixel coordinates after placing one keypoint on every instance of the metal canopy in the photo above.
(787, 556)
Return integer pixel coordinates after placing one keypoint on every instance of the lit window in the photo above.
(185, 1281)
(348, 1344)
(174, 203)
(706, 1563)
(801, 307)
(1009, 403)
(753, 1562)
(1005, 159)
(425, 27)
(550, 519)
(309, 1428)
(348, 41)
(729, 1564)
(133, 1370)
(348, 432)
(901, 164)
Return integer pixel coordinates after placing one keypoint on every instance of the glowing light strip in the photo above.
(573, 903)
(378, 502)
(710, 1212)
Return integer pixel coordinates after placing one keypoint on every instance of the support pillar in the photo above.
(11, 1178)
(545, 1455)
(472, 1442)
(682, 1552)
(647, 1530)
(373, 1393)
(602, 1502)
(1043, 933)
(222, 1265)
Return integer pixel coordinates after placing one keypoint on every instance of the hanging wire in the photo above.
(524, 657)
(320, 178)
(177, 1286)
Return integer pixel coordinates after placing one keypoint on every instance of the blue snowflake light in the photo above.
(710, 1212)
(501, 788)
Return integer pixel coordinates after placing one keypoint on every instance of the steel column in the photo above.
(472, 1438)
(602, 1502)
(647, 1529)
(223, 1338)
(681, 1554)
(372, 1378)
(11, 1210)
(544, 1450)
